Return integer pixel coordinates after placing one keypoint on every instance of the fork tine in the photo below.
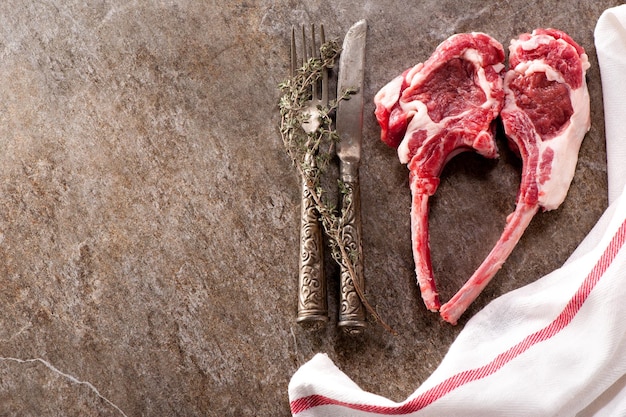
(314, 51)
(304, 54)
(324, 73)
(294, 56)
(314, 54)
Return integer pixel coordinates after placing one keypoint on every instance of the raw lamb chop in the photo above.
(546, 116)
(434, 111)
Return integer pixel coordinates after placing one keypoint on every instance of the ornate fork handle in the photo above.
(352, 317)
(312, 299)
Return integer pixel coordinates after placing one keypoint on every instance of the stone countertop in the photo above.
(149, 216)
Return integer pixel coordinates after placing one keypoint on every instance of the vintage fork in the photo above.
(312, 298)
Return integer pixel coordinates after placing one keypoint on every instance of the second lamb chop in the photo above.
(546, 116)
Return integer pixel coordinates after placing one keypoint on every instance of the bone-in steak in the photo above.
(434, 111)
(546, 116)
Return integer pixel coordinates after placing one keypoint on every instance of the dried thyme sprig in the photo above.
(311, 153)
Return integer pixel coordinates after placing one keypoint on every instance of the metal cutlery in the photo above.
(312, 292)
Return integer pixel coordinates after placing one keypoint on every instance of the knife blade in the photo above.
(349, 126)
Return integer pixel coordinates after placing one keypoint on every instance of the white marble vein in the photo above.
(69, 377)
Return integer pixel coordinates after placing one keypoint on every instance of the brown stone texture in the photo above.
(149, 215)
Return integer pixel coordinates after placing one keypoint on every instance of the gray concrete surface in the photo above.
(149, 216)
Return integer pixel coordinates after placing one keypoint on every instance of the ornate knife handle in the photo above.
(352, 316)
(312, 299)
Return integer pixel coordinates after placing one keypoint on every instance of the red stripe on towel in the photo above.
(462, 378)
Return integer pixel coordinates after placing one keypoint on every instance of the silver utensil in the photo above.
(349, 125)
(312, 297)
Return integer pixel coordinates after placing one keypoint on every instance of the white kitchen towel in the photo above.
(556, 347)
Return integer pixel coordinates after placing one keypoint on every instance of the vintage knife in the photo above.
(349, 125)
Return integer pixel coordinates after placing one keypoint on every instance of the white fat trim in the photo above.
(539, 65)
(414, 75)
(566, 147)
(533, 42)
(509, 95)
(390, 93)
(420, 121)
(585, 62)
(473, 55)
(486, 87)
(567, 144)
